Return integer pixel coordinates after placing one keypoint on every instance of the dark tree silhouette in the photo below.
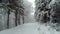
(8, 18)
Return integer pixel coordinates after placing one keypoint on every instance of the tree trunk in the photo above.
(16, 18)
(19, 17)
(23, 19)
(22, 16)
(8, 18)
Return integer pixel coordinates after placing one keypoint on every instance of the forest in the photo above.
(29, 16)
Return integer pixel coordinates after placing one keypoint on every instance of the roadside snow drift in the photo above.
(31, 28)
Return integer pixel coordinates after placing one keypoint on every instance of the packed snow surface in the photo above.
(31, 28)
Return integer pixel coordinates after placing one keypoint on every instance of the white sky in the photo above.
(33, 5)
(33, 2)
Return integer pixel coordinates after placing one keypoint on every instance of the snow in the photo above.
(31, 28)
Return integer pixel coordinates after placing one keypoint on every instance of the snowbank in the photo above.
(31, 28)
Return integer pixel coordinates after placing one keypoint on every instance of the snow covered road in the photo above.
(31, 28)
(23, 29)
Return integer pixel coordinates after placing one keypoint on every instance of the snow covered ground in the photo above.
(31, 28)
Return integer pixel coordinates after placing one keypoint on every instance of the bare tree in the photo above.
(13, 4)
(16, 18)
(8, 18)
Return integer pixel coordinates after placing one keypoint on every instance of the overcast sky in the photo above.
(33, 2)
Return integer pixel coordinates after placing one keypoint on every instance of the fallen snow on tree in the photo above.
(31, 28)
